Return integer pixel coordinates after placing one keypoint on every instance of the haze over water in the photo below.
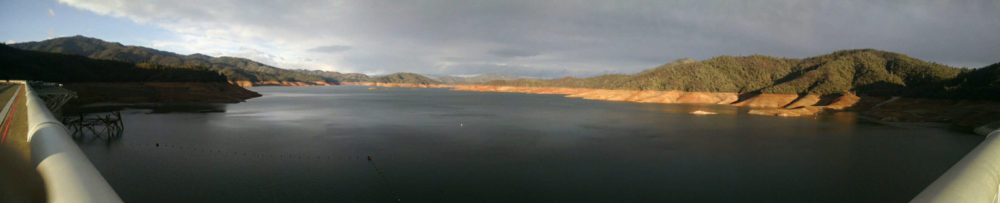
(313, 144)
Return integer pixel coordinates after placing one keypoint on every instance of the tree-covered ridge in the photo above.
(235, 69)
(336, 76)
(866, 71)
(475, 79)
(410, 78)
(862, 71)
(982, 83)
(55, 67)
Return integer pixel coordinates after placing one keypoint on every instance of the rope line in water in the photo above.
(384, 180)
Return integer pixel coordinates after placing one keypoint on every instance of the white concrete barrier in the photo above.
(68, 174)
(975, 178)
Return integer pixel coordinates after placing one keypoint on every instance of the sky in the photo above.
(525, 38)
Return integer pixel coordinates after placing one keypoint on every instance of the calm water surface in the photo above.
(313, 144)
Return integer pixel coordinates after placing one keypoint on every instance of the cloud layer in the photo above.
(557, 38)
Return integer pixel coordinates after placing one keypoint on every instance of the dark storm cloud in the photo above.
(582, 38)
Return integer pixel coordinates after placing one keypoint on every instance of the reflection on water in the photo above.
(846, 118)
(151, 107)
(436, 145)
(90, 127)
(103, 123)
(689, 108)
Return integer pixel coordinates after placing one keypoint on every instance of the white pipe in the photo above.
(68, 174)
(975, 178)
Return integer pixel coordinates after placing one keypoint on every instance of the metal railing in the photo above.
(975, 178)
(68, 174)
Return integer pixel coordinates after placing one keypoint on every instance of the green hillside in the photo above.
(336, 76)
(863, 71)
(233, 68)
(411, 78)
(982, 83)
(475, 79)
(53, 67)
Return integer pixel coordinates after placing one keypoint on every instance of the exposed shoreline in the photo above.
(246, 83)
(158, 92)
(786, 105)
(965, 115)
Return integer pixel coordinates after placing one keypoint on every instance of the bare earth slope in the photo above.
(852, 80)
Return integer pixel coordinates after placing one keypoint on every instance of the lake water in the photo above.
(434, 145)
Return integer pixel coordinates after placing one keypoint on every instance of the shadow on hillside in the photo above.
(880, 89)
(828, 99)
(745, 96)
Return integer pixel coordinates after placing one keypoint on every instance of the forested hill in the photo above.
(410, 78)
(55, 67)
(475, 79)
(336, 76)
(863, 71)
(235, 69)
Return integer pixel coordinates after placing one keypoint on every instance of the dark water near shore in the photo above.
(312, 144)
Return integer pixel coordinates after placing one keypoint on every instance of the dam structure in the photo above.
(34, 133)
(975, 178)
(31, 130)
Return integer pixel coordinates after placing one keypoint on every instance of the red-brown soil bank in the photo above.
(245, 83)
(764, 104)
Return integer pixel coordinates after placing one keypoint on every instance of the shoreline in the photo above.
(894, 111)
(784, 105)
(158, 92)
(247, 83)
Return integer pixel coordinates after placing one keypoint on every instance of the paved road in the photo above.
(17, 175)
(6, 91)
(16, 132)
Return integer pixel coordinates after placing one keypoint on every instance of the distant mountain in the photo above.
(97, 80)
(54, 67)
(863, 71)
(475, 79)
(235, 69)
(336, 76)
(409, 78)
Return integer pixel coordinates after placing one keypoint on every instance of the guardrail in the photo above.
(975, 178)
(68, 174)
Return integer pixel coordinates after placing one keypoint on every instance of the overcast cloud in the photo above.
(557, 38)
